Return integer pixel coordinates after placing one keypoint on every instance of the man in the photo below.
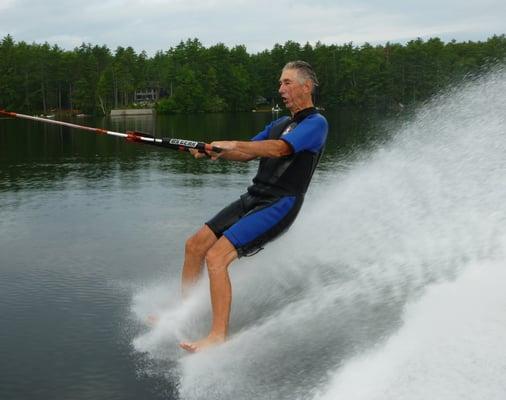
(289, 150)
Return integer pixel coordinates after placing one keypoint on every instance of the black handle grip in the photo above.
(186, 145)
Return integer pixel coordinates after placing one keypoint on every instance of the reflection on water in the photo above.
(34, 153)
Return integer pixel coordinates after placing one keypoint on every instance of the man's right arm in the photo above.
(238, 155)
(227, 155)
(234, 155)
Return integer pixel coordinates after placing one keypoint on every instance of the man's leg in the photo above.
(218, 258)
(196, 248)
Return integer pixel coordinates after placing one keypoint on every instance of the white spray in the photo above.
(352, 274)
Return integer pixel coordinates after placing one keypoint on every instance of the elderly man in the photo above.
(289, 150)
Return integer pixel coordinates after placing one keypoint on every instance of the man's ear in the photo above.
(308, 86)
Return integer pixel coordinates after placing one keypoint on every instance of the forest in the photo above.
(43, 78)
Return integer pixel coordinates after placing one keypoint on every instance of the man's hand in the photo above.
(234, 150)
(197, 154)
(225, 146)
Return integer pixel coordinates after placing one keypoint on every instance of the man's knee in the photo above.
(192, 244)
(219, 257)
(200, 242)
(215, 261)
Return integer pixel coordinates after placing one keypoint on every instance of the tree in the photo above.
(193, 78)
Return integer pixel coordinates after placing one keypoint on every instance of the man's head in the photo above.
(296, 85)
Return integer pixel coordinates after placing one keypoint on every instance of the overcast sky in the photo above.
(153, 25)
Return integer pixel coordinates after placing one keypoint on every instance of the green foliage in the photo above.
(192, 78)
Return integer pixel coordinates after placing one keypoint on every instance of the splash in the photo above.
(377, 247)
(450, 346)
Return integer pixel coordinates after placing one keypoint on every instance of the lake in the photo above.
(385, 287)
(84, 221)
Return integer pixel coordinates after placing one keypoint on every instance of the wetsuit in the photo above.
(272, 202)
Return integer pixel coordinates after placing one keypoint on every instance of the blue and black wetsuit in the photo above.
(272, 202)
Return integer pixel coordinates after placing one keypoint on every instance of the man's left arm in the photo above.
(245, 151)
(309, 135)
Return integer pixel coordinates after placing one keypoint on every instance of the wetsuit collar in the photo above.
(300, 115)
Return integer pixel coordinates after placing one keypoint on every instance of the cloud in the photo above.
(153, 25)
(6, 4)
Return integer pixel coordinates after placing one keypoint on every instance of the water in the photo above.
(87, 221)
(387, 286)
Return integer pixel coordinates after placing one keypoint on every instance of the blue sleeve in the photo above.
(310, 134)
(264, 135)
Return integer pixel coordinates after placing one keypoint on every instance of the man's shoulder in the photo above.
(317, 120)
(317, 116)
(281, 119)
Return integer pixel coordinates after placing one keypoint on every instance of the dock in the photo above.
(132, 112)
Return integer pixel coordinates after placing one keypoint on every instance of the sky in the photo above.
(154, 25)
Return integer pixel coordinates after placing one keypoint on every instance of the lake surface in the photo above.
(386, 287)
(86, 220)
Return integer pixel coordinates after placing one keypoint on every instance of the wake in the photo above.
(359, 295)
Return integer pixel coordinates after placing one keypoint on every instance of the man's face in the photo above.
(293, 93)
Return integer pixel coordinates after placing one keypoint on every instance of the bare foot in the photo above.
(210, 341)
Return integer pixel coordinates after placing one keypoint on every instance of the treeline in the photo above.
(192, 78)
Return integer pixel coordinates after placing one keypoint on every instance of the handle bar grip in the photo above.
(186, 145)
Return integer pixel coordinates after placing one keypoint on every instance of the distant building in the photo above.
(148, 94)
(261, 100)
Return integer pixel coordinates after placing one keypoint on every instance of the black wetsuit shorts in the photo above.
(252, 221)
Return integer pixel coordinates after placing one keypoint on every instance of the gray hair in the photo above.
(304, 69)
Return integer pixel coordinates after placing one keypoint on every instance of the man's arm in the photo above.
(227, 155)
(246, 151)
